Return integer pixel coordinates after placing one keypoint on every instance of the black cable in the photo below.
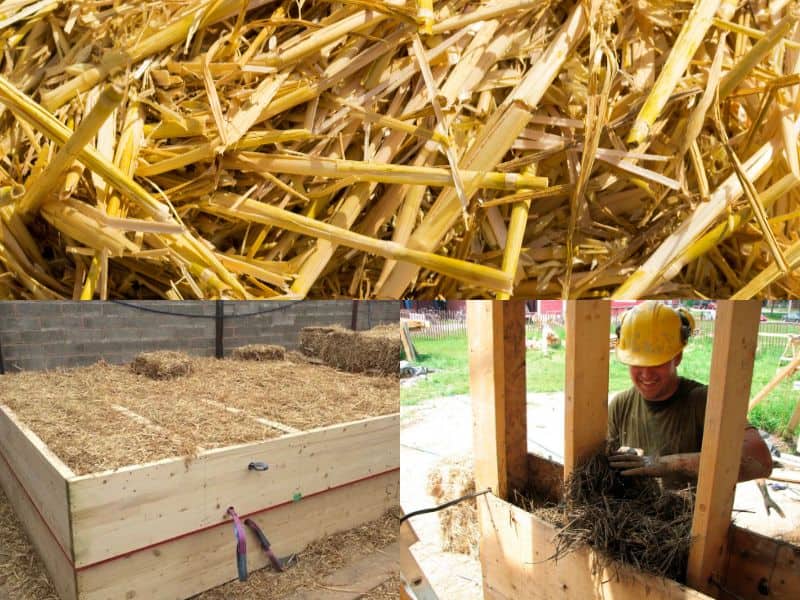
(445, 505)
(193, 316)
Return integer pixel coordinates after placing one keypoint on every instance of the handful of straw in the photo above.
(630, 520)
(388, 148)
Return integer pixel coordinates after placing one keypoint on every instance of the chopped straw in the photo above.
(394, 148)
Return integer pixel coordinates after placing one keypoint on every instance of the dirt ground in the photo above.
(442, 428)
(23, 576)
(108, 416)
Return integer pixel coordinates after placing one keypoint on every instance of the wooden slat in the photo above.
(586, 392)
(187, 566)
(408, 345)
(761, 568)
(496, 332)
(782, 374)
(517, 550)
(56, 563)
(41, 474)
(120, 511)
(354, 580)
(735, 340)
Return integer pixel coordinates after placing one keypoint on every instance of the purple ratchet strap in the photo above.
(241, 545)
(276, 563)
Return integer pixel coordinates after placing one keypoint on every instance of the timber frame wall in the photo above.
(516, 547)
(159, 530)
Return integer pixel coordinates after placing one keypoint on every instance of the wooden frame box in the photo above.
(160, 530)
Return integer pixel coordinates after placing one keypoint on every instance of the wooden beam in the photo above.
(588, 323)
(496, 331)
(735, 341)
(186, 566)
(123, 510)
(408, 345)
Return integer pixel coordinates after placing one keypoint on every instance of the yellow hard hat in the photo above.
(652, 333)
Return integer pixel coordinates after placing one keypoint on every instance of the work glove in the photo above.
(633, 461)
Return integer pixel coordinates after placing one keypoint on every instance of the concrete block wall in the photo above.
(47, 335)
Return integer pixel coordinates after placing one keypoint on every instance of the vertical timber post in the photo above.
(735, 340)
(496, 331)
(588, 325)
(219, 349)
(354, 316)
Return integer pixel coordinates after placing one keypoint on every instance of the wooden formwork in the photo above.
(160, 530)
(516, 547)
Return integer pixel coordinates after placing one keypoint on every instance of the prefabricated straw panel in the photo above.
(159, 530)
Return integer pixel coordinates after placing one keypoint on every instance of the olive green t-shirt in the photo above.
(670, 426)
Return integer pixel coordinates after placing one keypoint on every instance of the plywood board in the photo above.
(735, 340)
(117, 512)
(586, 390)
(54, 559)
(187, 566)
(40, 473)
(496, 332)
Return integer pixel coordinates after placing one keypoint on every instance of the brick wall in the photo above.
(46, 335)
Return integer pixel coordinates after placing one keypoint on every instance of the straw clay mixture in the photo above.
(260, 149)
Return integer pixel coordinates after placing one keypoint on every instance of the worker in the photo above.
(656, 426)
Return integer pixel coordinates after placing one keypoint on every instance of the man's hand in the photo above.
(633, 461)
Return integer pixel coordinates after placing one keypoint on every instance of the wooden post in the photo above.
(496, 331)
(586, 390)
(735, 340)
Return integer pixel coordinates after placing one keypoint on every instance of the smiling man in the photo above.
(657, 425)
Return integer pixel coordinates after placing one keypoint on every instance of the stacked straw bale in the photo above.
(164, 364)
(218, 148)
(374, 351)
(259, 352)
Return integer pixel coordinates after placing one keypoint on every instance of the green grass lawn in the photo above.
(448, 358)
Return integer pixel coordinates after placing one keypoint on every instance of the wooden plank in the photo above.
(40, 473)
(735, 341)
(55, 561)
(496, 331)
(761, 568)
(414, 582)
(586, 391)
(785, 372)
(119, 511)
(408, 345)
(357, 578)
(187, 566)
(516, 557)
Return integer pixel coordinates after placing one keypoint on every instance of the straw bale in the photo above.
(164, 364)
(178, 417)
(361, 149)
(458, 524)
(259, 352)
(314, 339)
(374, 351)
